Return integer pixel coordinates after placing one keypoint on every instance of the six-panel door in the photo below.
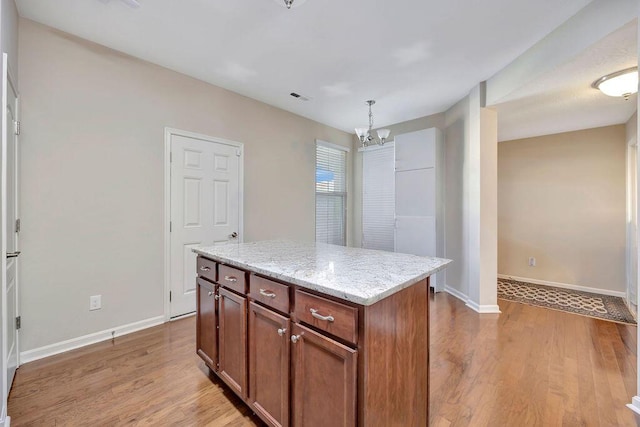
(269, 365)
(232, 317)
(206, 336)
(324, 380)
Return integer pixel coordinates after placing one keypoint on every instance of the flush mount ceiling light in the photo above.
(290, 3)
(621, 83)
(364, 134)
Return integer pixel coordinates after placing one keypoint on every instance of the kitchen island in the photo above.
(314, 334)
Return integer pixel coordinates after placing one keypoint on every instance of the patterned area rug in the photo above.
(587, 304)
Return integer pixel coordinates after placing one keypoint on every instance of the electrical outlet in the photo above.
(532, 262)
(95, 302)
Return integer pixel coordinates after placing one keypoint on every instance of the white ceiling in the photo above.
(563, 99)
(415, 57)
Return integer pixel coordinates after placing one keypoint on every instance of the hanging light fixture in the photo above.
(290, 3)
(621, 83)
(364, 134)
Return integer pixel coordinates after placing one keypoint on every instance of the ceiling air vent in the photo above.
(300, 97)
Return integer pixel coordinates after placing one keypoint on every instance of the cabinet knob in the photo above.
(217, 297)
(210, 293)
(281, 331)
(295, 338)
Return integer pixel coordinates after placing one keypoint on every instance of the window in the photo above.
(378, 198)
(331, 193)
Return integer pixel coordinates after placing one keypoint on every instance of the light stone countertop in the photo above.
(362, 276)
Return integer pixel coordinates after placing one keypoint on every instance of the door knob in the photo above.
(233, 235)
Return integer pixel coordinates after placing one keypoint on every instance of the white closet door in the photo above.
(378, 198)
(416, 235)
(418, 203)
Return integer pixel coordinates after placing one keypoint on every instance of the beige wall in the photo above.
(561, 199)
(92, 178)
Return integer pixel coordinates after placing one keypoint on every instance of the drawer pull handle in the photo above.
(267, 294)
(230, 279)
(210, 293)
(318, 316)
(281, 331)
(203, 268)
(295, 338)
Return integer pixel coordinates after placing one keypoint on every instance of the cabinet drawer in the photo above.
(270, 293)
(232, 278)
(338, 319)
(206, 268)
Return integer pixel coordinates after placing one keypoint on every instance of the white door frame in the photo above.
(632, 224)
(168, 133)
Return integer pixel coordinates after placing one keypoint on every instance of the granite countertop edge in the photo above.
(344, 294)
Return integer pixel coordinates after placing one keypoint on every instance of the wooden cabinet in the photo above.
(206, 323)
(301, 358)
(324, 380)
(232, 360)
(269, 365)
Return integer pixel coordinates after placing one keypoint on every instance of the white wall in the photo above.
(456, 137)
(92, 178)
(9, 37)
(631, 137)
(9, 43)
(471, 202)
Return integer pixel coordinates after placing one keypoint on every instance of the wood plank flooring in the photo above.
(526, 367)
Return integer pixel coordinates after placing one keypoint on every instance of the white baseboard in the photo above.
(483, 309)
(182, 316)
(456, 293)
(635, 404)
(565, 286)
(72, 344)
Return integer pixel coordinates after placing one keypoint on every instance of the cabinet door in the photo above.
(324, 380)
(269, 365)
(206, 327)
(232, 341)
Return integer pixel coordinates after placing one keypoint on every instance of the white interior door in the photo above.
(10, 249)
(205, 208)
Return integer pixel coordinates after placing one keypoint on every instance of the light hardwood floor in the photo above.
(526, 367)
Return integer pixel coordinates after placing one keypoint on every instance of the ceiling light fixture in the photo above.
(289, 3)
(364, 134)
(621, 83)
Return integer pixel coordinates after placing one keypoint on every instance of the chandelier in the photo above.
(289, 3)
(364, 134)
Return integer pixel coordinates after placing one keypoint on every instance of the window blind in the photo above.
(331, 194)
(378, 198)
